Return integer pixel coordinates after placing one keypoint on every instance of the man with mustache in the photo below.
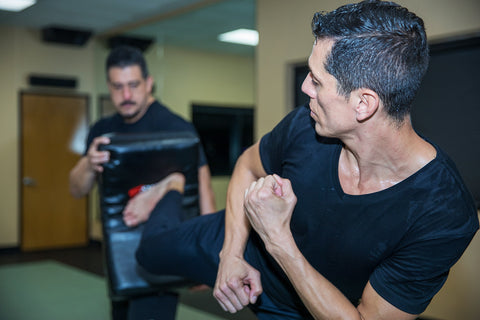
(130, 87)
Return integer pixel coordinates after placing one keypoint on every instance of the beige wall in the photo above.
(208, 79)
(22, 53)
(285, 39)
(8, 141)
(182, 77)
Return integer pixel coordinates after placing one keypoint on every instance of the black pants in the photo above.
(188, 249)
(152, 307)
(161, 306)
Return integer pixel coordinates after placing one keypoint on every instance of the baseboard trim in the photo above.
(95, 243)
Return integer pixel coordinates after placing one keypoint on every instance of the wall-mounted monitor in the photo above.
(447, 107)
(225, 132)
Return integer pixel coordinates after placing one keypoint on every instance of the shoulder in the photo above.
(297, 128)
(446, 179)
(446, 205)
(293, 139)
(161, 118)
(292, 123)
(159, 109)
(105, 125)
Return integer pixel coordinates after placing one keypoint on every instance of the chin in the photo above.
(319, 130)
(129, 116)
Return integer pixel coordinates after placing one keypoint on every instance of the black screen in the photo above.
(447, 107)
(225, 132)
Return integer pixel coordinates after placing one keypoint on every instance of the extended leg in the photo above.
(189, 249)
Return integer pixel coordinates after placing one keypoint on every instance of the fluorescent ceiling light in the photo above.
(16, 5)
(241, 36)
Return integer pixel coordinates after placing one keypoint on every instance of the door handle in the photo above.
(29, 182)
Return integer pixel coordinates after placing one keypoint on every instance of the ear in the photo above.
(149, 82)
(367, 104)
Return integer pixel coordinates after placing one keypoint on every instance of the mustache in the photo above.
(127, 102)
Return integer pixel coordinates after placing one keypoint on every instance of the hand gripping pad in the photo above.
(141, 159)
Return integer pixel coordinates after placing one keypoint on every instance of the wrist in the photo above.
(228, 253)
(231, 249)
(282, 247)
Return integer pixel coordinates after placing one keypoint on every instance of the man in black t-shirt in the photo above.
(130, 88)
(342, 211)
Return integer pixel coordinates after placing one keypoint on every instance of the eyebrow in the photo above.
(128, 83)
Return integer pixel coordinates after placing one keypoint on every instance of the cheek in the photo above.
(141, 94)
(116, 98)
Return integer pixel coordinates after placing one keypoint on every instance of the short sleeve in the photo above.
(92, 134)
(417, 271)
(274, 144)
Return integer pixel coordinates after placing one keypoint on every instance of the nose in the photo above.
(127, 93)
(307, 86)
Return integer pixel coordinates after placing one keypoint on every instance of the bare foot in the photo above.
(174, 181)
(138, 209)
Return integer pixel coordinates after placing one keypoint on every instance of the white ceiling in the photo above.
(191, 23)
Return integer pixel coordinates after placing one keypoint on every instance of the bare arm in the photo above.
(238, 284)
(82, 176)
(207, 197)
(269, 204)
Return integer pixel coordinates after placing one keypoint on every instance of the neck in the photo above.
(141, 112)
(377, 159)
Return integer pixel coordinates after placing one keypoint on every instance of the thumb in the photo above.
(255, 291)
(277, 186)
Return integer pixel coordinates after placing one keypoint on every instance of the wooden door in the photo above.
(51, 125)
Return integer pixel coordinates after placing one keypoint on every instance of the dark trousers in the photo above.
(188, 249)
(152, 307)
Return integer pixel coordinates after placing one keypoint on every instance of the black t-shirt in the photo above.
(403, 239)
(157, 119)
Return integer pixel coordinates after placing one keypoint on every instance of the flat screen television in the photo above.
(225, 132)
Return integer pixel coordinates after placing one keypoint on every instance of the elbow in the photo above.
(74, 189)
(74, 193)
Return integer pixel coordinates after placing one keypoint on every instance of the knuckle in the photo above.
(263, 194)
(223, 287)
(231, 283)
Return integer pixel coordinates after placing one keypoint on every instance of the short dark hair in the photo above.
(377, 45)
(126, 56)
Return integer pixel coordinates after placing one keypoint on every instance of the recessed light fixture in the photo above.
(16, 5)
(241, 36)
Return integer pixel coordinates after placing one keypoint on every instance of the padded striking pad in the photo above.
(141, 159)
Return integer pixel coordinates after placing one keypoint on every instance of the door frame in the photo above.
(46, 92)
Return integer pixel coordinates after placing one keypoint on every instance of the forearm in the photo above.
(237, 228)
(206, 195)
(81, 178)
